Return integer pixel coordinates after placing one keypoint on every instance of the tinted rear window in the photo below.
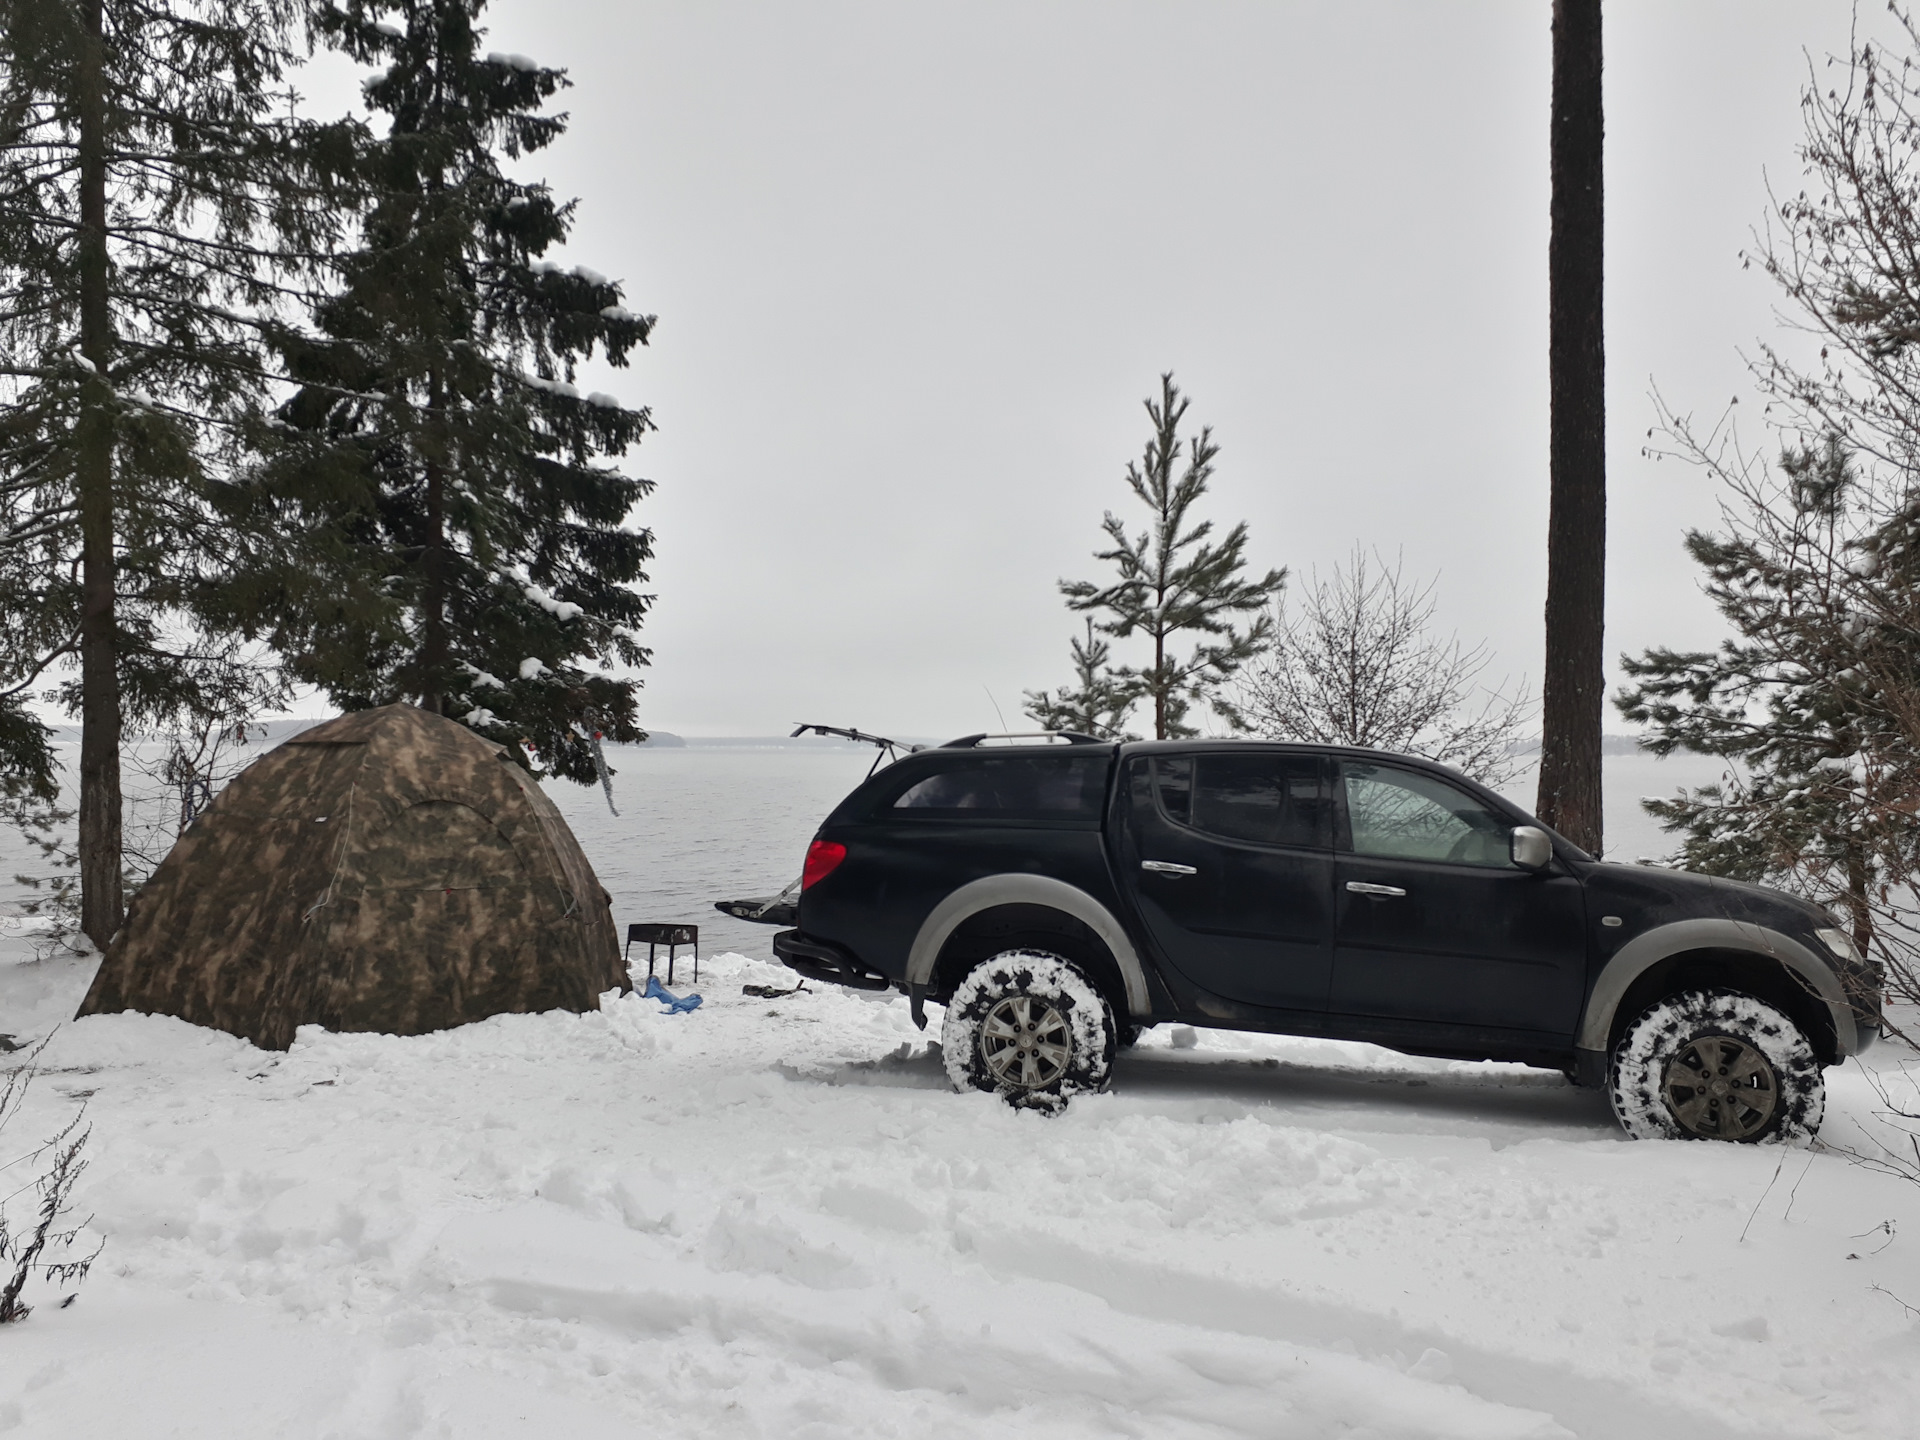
(1065, 787)
(1268, 798)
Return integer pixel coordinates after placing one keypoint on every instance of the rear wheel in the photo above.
(1028, 1025)
(1716, 1065)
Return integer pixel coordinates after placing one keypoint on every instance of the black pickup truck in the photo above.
(1057, 898)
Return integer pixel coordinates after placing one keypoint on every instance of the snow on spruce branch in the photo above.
(563, 610)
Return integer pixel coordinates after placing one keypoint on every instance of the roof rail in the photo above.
(1072, 737)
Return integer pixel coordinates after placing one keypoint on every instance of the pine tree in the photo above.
(1097, 703)
(449, 534)
(155, 204)
(1815, 700)
(1173, 583)
(1810, 699)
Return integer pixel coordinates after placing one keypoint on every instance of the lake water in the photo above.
(718, 822)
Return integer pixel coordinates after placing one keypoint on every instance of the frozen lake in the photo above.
(723, 821)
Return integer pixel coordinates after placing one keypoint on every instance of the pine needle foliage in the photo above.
(1098, 701)
(449, 531)
(1182, 592)
(1813, 698)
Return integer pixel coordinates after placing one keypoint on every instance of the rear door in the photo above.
(1232, 866)
(1436, 924)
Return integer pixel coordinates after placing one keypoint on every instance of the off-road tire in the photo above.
(1758, 1079)
(1029, 1026)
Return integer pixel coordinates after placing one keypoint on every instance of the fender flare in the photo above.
(992, 891)
(1648, 949)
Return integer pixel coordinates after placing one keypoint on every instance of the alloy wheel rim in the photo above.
(1025, 1042)
(1721, 1088)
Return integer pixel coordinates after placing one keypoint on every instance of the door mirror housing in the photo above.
(1532, 847)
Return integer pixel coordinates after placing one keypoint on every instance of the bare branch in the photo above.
(1358, 664)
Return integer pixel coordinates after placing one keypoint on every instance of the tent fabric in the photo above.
(387, 871)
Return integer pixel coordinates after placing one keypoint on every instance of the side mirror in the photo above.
(1532, 847)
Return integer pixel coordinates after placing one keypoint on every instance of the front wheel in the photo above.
(1029, 1026)
(1716, 1065)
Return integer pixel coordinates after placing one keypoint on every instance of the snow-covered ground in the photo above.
(770, 1218)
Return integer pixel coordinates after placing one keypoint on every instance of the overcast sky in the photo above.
(916, 267)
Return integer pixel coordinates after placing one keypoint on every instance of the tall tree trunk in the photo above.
(433, 639)
(101, 901)
(1573, 690)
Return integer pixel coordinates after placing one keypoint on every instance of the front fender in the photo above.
(1662, 942)
(994, 890)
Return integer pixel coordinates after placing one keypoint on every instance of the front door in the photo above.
(1436, 923)
(1233, 867)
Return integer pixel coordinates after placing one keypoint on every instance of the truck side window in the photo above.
(1173, 778)
(1404, 815)
(1012, 786)
(1270, 799)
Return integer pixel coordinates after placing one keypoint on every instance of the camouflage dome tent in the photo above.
(390, 871)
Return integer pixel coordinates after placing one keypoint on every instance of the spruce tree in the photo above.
(450, 535)
(155, 205)
(1173, 583)
(1098, 701)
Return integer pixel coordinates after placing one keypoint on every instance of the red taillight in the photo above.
(823, 856)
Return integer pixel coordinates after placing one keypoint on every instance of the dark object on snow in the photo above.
(773, 992)
(781, 909)
(671, 936)
(676, 1004)
(387, 871)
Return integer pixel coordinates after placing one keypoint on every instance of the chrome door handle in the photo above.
(1360, 888)
(1167, 867)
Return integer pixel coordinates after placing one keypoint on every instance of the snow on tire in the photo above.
(1029, 1026)
(1716, 1065)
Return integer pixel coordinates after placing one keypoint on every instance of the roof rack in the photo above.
(1072, 737)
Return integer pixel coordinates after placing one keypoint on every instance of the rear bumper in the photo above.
(823, 960)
